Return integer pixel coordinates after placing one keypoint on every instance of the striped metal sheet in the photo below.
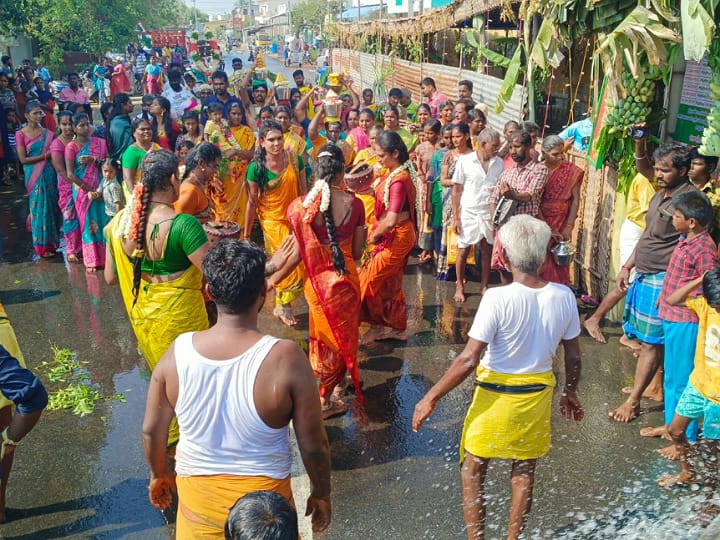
(360, 66)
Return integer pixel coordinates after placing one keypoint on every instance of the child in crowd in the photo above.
(111, 191)
(701, 397)
(192, 131)
(695, 254)
(13, 125)
(145, 104)
(181, 152)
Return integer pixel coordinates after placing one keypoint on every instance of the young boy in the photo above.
(694, 255)
(701, 397)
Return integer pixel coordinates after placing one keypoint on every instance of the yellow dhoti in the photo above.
(508, 425)
(205, 501)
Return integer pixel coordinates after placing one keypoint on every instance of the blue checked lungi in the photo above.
(640, 319)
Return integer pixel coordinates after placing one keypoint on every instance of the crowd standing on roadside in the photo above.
(345, 191)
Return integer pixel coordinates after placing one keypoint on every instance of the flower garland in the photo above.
(410, 168)
(314, 204)
(130, 218)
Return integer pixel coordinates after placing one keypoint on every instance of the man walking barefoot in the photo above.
(513, 340)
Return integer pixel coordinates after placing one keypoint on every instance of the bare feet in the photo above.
(629, 343)
(48, 255)
(459, 295)
(627, 412)
(90, 270)
(391, 333)
(371, 336)
(285, 314)
(670, 480)
(669, 452)
(334, 408)
(73, 258)
(593, 328)
(425, 257)
(660, 431)
(649, 393)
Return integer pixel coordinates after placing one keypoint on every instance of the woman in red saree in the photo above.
(560, 203)
(394, 235)
(328, 227)
(120, 82)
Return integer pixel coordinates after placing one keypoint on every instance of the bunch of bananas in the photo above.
(711, 136)
(635, 107)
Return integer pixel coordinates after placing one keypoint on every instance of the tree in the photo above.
(90, 26)
(309, 13)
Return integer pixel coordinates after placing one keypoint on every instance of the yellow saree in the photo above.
(230, 202)
(272, 208)
(163, 311)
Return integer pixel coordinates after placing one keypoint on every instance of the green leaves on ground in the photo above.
(76, 391)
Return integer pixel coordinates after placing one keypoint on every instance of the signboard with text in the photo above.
(695, 103)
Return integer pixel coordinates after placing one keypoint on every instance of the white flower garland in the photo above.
(322, 188)
(410, 168)
(126, 218)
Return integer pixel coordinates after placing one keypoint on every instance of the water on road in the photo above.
(87, 478)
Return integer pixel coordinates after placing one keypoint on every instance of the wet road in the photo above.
(86, 478)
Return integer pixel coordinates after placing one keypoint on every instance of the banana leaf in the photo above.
(697, 28)
(545, 51)
(640, 31)
(493, 57)
(508, 85)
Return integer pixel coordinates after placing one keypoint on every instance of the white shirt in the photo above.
(221, 431)
(523, 326)
(477, 184)
(179, 101)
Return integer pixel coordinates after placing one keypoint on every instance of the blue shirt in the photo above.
(580, 132)
(226, 107)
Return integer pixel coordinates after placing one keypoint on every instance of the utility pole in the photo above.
(197, 29)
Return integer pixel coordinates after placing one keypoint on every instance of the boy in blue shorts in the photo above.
(701, 398)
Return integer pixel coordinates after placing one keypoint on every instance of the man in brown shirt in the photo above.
(650, 259)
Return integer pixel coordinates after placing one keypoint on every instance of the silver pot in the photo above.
(563, 253)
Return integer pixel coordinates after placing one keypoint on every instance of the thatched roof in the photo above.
(427, 23)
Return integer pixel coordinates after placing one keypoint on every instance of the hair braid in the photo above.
(337, 254)
(140, 250)
(261, 171)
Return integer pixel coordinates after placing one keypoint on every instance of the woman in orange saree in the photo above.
(275, 178)
(329, 230)
(394, 235)
(560, 203)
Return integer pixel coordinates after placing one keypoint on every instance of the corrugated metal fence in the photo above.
(363, 66)
(593, 228)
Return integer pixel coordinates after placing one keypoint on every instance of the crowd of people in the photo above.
(345, 189)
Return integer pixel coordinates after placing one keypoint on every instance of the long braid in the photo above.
(337, 254)
(142, 228)
(330, 163)
(261, 172)
(157, 171)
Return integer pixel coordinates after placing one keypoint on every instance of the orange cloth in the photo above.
(381, 277)
(205, 501)
(554, 207)
(333, 305)
(192, 200)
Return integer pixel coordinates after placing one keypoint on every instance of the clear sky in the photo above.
(213, 7)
